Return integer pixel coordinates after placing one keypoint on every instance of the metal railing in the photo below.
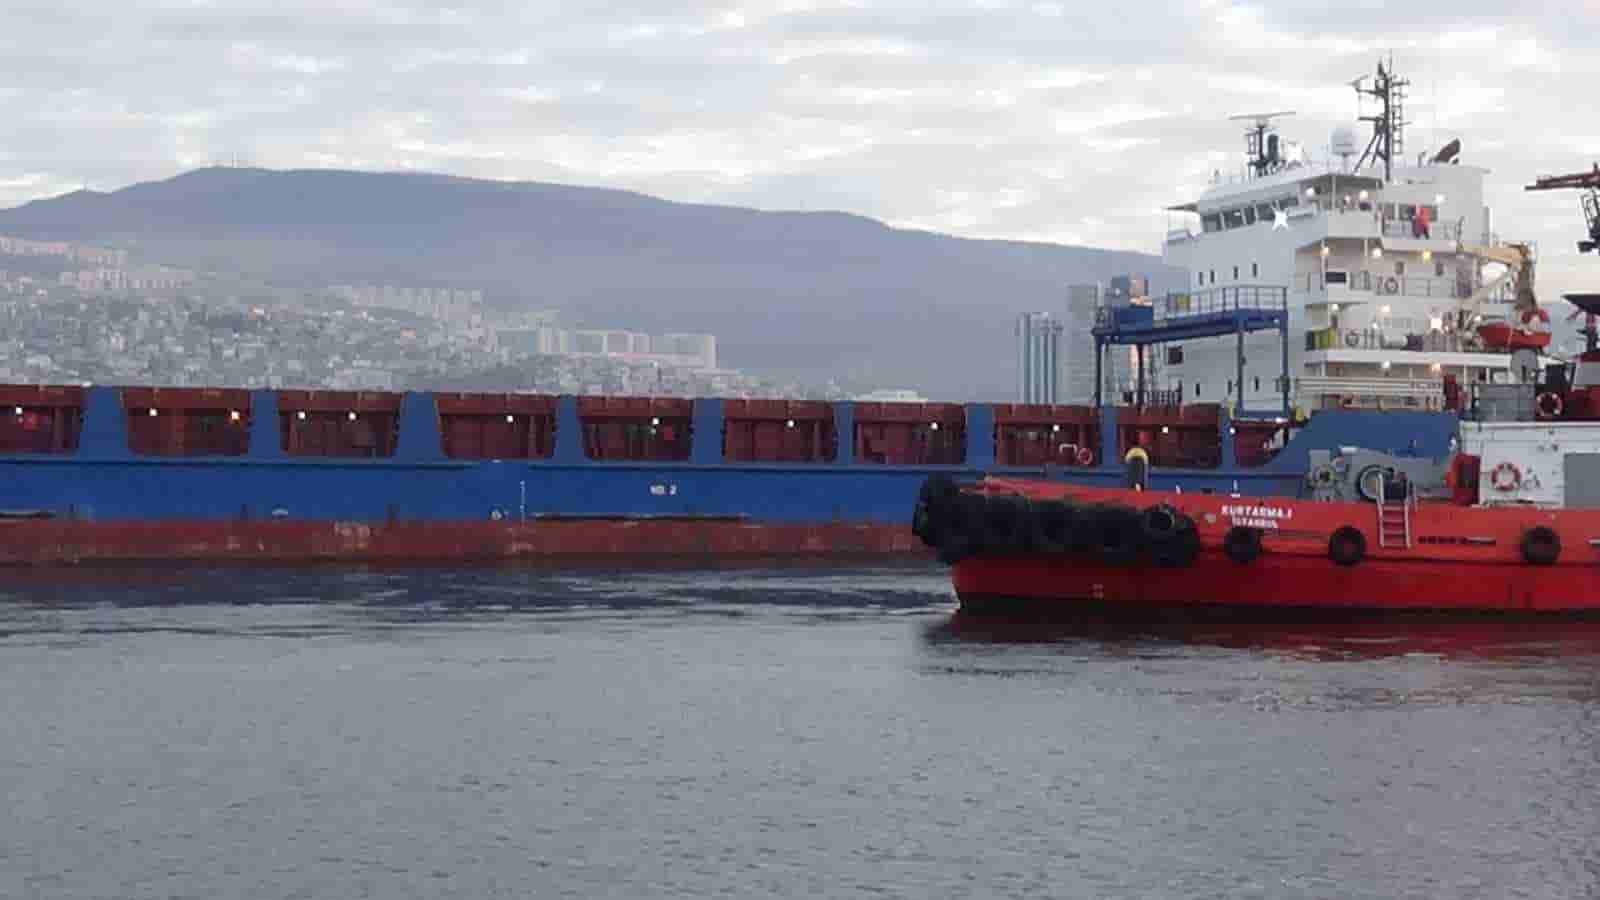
(1383, 285)
(1378, 339)
(1228, 298)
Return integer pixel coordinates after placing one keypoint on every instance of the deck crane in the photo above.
(1589, 183)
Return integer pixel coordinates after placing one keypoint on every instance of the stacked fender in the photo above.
(960, 524)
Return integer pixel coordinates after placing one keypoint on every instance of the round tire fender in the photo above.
(1347, 546)
(1242, 545)
(1160, 523)
(1541, 546)
(1119, 536)
(1053, 524)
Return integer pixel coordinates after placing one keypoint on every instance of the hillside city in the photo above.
(71, 313)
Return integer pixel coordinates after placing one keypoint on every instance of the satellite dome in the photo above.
(1343, 141)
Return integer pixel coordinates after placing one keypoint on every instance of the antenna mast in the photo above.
(1389, 125)
(1261, 143)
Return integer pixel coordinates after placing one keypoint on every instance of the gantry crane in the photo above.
(1589, 183)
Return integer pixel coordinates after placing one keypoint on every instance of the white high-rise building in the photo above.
(1077, 344)
(1038, 358)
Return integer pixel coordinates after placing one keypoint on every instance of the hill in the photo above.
(813, 295)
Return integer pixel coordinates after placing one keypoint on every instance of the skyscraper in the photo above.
(1038, 358)
(1077, 352)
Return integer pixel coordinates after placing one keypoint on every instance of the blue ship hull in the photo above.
(102, 481)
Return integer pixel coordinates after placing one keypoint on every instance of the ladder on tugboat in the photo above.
(1394, 517)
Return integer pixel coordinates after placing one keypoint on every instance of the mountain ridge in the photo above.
(788, 293)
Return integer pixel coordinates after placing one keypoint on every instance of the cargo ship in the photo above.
(1387, 270)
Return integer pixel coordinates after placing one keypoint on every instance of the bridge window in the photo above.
(1438, 269)
(1249, 215)
(1235, 273)
(1211, 223)
(1174, 356)
(1197, 388)
(1264, 211)
(1255, 270)
(1258, 382)
(1233, 218)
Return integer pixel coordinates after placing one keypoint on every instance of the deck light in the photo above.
(1311, 192)
(1333, 307)
(1438, 199)
(352, 415)
(789, 423)
(1324, 249)
(234, 415)
(1055, 428)
(1363, 196)
(1387, 365)
(1435, 367)
(1384, 309)
(654, 421)
(511, 420)
(1435, 323)
(1166, 429)
(152, 412)
(1427, 255)
(18, 410)
(933, 426)
(1377, 253)
(301, 415)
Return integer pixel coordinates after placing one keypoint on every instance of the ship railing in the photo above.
(1228, 298)
(1335, 392)
(1379, 339)
(1384, 285)
(1406, 229)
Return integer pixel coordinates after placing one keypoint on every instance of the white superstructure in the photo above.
(1382, 265)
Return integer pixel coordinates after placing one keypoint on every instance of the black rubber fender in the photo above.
(1006, 524)
(1541, 546)
(962, 530)
(1347, 545)
(1180, 550)
(1241, 544)
(1160, 523)
(1119, 533)
(1055, 523)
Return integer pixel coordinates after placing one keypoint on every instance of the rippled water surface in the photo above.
(766, 733)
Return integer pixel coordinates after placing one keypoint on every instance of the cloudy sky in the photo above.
(1038, 119)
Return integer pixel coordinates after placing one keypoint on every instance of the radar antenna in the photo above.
(1261, 141)
(1389, 124)
(1589, 183)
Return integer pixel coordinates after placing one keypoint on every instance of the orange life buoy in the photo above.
(1505, 477)
(1551, 405)
(1391, 285)
(1085, 456)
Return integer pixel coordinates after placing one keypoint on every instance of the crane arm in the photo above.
(1589, 179)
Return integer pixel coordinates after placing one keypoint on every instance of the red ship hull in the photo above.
(1461, 559)
(59, 542)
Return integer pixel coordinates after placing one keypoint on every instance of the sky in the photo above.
(1044, 120)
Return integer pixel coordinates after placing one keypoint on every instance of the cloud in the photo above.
(991, 118)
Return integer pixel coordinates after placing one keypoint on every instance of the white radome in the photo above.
(1343, 141)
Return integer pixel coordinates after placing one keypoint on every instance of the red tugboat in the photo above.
(1509, 524)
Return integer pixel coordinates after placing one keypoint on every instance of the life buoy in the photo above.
(1085, 456)
(1352, 339)
(1347, 546)
(1551, 405)
(1505, 477)
(1391, 285)
(1322, 476)
(1541, 546)
(1241, 544)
